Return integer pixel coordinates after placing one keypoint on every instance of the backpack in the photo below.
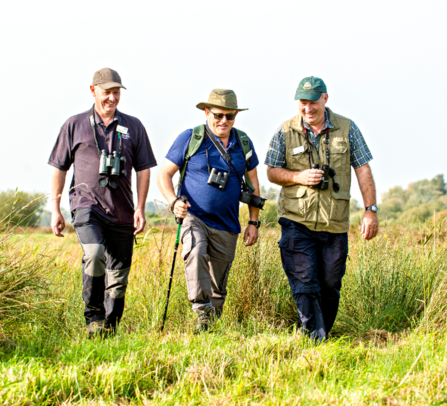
(198, 134)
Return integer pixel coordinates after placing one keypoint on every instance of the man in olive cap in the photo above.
(103, 144)
(311, 156)
(216, 161)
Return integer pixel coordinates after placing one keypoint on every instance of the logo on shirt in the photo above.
(125, 136)
(307, 85)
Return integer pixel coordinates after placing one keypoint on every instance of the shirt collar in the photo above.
(231, 140)
(98, 119)
(327, 123)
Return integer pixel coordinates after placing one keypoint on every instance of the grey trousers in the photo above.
(105, 265)
(208, 254)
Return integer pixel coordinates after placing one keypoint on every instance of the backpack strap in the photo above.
(248, 152)
(198, 133)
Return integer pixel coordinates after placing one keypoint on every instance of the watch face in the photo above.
(374, 209)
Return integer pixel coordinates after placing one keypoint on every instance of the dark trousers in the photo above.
(315, 263)
(105, 265)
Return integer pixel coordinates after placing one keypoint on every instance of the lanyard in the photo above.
(219, 147)
(93, 124)
(328, 154)
(222, 152)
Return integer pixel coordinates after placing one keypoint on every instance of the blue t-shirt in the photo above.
(216, 208)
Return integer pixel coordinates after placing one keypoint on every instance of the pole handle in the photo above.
(184, 199)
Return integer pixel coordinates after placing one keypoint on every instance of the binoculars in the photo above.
(328, 173)
(218, 179)
(249, 198)
(111, 165)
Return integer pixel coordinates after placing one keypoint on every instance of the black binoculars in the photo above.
(218, 179)
(249, 198)
(327, 173)
(111, 165)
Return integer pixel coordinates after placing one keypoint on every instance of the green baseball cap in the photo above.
(310, 88)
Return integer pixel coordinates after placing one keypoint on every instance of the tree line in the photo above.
(415, 204)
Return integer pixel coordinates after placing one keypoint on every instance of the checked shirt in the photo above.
(359, 151)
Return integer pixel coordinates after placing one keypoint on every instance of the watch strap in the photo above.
(257, 224)
(173, 203)
(373, 208)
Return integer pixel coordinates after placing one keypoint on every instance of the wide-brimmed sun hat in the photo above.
(221, 98)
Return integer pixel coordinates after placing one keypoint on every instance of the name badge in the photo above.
(121, 129)
(298, 150)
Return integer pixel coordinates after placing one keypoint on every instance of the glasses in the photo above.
(220, 116)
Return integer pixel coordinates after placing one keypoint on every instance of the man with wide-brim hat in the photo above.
(311, 156)
(217, 162)
(103, 145)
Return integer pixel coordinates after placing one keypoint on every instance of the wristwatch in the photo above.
(171, 207)
(257, 224)
(374, 208)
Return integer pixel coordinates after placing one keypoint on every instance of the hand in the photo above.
(250, 235)
(370, 225)
(139, 221)
(57, 223)
(181, 209)
(309, 177)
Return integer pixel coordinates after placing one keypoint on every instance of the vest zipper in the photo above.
(318, 210)
(318, 201)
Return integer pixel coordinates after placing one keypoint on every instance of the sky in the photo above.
(384, 64)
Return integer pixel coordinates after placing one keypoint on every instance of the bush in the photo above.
(387, 283)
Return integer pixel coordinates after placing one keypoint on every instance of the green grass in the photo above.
(388, 347)
(275, 367)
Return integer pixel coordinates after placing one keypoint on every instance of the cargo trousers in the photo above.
(106, 265)
(315, 263)
(208, 254)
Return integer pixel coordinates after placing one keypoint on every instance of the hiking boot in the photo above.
(204, 319)
(98, 328)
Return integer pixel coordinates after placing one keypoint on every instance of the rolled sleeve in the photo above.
(61, 157)
(144, 158)
(359, 151)
(177, 152)
(276, 154)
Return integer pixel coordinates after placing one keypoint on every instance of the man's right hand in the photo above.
(57, 223)
(309, 177)
(181, 209)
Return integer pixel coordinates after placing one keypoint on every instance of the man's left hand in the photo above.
(250, 235)
(370, 225)
(139, 221)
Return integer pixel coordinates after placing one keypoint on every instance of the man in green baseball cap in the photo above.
(217, 165)
(311, 156)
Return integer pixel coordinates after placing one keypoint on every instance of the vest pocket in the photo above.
(293, 199)
(339, 155)
(340, 206)
(298, 162)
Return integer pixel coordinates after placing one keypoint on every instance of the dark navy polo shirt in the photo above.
(216, 208)
(76, 145)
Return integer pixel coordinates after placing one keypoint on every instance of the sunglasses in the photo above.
(220, 116)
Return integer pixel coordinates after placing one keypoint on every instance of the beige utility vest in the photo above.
(318, 210)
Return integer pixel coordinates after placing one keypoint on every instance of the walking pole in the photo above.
(179, 222)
